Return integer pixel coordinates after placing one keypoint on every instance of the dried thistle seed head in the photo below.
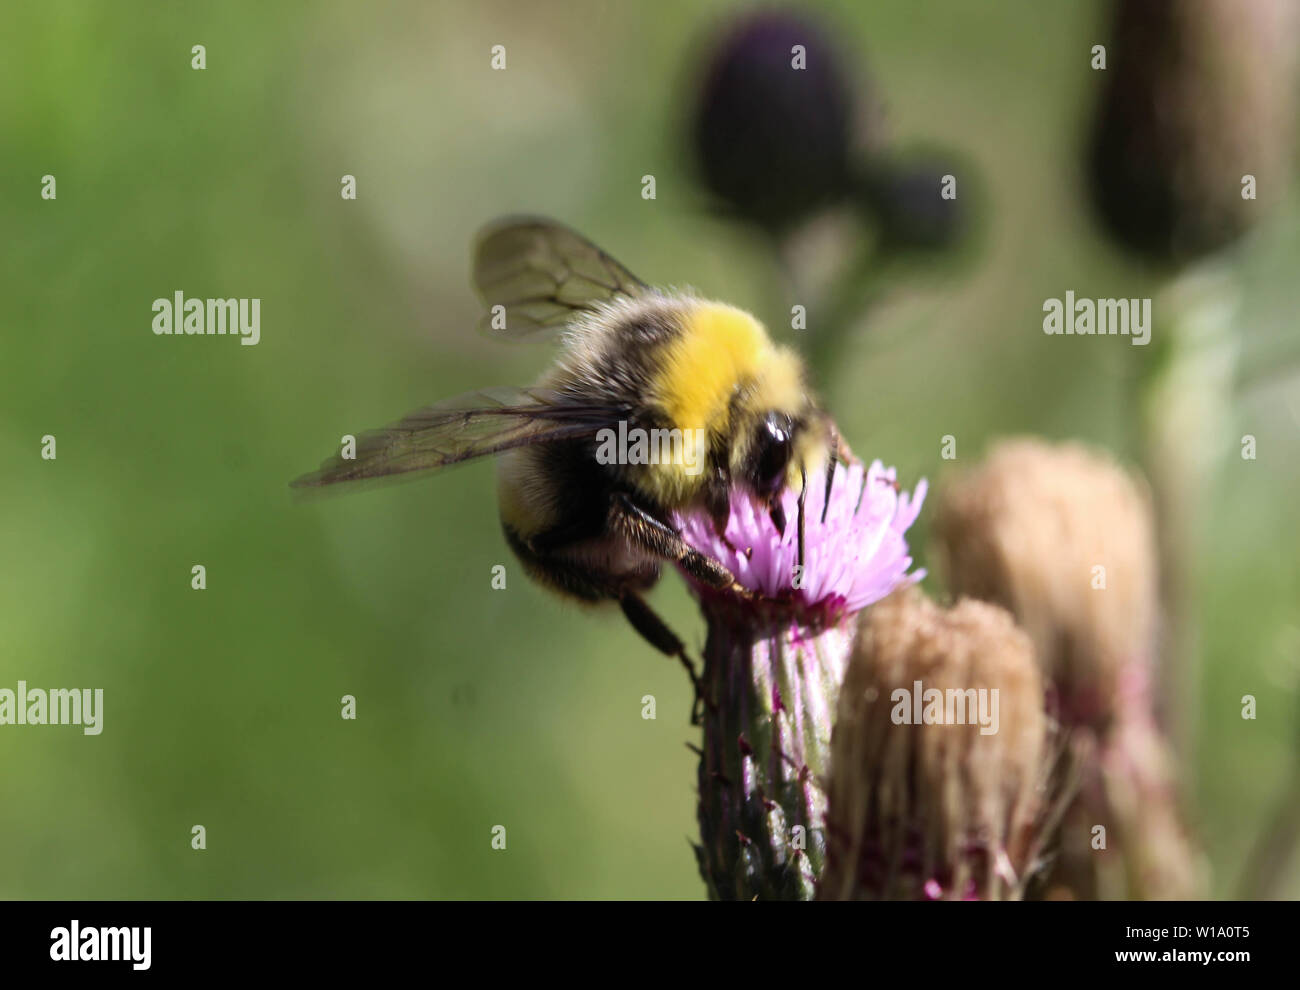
(939, 757)
(1195, 97)
(1064, 539)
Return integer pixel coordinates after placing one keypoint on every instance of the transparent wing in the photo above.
(543, 273)
(472, 425)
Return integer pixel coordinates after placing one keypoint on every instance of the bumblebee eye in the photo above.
(772, 453)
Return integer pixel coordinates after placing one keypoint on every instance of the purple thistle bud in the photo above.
(771, 130)
(905, 199)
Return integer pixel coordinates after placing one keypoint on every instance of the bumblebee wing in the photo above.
(543, 273)
(472, 425)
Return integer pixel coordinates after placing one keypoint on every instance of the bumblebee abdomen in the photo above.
(542, 487)
(554, 502)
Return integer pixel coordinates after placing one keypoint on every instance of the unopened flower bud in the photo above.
(1196, 96)
(772, 128)
(941, 757)
(1063, 538)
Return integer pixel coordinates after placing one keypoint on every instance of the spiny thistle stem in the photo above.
(773, 686)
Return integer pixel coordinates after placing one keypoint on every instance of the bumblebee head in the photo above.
(769, 454)
(782, 450)
(782, 438)
(724, 372)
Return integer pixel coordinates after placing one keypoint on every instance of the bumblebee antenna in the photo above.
(831, 463)
(803, 494)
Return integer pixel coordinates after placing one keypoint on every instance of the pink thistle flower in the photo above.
(857, 556)
(773, 665)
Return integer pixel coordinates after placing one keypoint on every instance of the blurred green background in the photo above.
(477, 707)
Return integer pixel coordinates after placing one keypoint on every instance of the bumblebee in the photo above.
(634, 360)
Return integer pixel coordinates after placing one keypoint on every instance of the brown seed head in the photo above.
(936, 809)
(1063, 538)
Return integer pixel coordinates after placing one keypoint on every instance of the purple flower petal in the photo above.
(857, 556)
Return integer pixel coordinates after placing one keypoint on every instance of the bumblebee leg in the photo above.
(717, 503)
(592, 586)
(656, 537)
(655, 631)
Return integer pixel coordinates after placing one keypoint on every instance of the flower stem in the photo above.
(773, 686)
